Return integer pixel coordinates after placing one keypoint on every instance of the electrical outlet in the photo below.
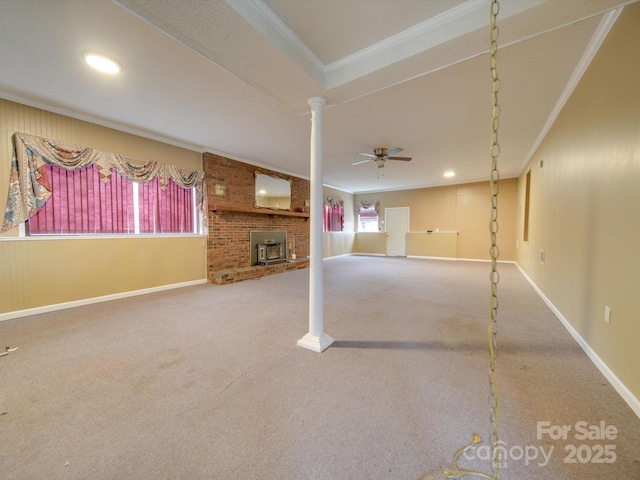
(542, 257)
(607, 314)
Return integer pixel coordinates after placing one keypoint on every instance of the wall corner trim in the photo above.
(620, 387)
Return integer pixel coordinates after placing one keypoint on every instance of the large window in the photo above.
(81, 203)
(64, 189)
(368, 216)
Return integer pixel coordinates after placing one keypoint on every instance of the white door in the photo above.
(397, 226)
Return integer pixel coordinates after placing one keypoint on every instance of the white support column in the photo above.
(316, 339)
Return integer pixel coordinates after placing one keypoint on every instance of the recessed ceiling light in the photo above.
(449, 174)
(102, 62)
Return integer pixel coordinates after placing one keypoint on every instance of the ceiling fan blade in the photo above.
(367, 154)
(404, 159)
(394, 151)
(363, 161)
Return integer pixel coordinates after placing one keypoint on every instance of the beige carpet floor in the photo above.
(207, 382)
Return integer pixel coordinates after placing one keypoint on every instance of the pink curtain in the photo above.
(332, 218)
(165, 210)
(81, 203)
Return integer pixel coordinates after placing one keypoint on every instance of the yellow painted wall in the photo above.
(40, 272)
(456, 208)
(337, 243)
(435, 244)
(370, 242)
(585, 205)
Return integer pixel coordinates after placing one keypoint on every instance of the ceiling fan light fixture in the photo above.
(449, 174)
(381, 155)
(102, 62)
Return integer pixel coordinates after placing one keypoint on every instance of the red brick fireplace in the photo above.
(232, 216)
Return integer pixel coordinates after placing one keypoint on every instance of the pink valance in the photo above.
(368, 205)
(334, 202)
(29, 186)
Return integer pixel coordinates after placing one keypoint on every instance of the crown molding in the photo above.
(465, 18)
(270, 25)
(456, 22)
(590, 52)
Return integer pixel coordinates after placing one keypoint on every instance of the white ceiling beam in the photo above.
(269, 24)
(465, 18)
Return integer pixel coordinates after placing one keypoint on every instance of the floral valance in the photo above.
(28, 185)
(334, 202)
(368, 204)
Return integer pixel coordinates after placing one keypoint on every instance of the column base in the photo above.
(316, 344)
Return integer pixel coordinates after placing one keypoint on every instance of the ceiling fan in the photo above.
(381, 155)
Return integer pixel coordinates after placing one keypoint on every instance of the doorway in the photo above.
(396, 227)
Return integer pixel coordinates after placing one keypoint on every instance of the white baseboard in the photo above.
(88, 301)
(426, 257)
(484, 260)
(337, 256)
(458, 259)
(620, 387)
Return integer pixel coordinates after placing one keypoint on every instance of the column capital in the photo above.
(316, 102)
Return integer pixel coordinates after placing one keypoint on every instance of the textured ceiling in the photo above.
(233, 77)
(334, 29)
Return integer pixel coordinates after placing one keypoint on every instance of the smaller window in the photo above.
(368, 218)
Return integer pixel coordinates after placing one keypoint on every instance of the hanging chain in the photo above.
(492, 330)
(494, 178)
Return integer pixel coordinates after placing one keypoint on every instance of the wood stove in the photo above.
(268, 247)
(270, 253)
